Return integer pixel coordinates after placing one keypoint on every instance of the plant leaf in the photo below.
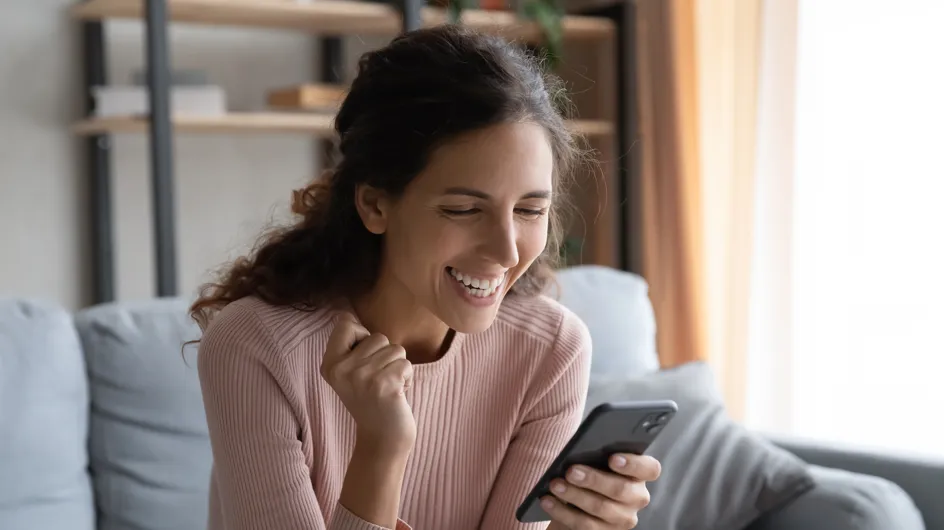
(454, 9)
(548, 15)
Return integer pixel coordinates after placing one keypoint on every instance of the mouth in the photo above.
(477, 287)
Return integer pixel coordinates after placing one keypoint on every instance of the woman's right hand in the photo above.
(371, 377)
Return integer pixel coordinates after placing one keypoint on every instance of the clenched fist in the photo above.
(371, 377)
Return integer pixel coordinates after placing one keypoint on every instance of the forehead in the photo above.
(511, 158)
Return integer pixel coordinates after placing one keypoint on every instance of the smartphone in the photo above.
(621, 427)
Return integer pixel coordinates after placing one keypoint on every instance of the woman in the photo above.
(388, 361)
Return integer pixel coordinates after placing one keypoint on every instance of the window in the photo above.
(867, 215)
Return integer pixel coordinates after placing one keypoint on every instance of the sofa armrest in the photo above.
(844, 500)
(921, 478)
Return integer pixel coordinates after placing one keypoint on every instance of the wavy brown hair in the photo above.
(422, 90)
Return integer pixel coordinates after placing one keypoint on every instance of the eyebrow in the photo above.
(537, 194)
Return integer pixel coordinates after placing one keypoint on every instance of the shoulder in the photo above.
(545, 320)
(266, 331)
(552, 345)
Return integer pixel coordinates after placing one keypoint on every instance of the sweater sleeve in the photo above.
(552, 415)
(261, 476)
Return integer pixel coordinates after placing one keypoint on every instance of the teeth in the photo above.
(476, 286)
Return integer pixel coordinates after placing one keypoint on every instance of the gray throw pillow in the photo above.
(148, 444)
(716, 475)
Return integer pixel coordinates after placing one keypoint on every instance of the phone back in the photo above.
(622, 427)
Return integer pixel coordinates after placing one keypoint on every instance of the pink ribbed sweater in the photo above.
(491, 415)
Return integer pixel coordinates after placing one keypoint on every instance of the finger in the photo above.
(346, 333)
(611, 485)
(360, 361)
(385, 355)
(570, 517)
(591, 502)
(397, 376)
(641, 467)
(367, 347)
(384, 371)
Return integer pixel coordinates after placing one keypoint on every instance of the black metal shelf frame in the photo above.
(98, 147)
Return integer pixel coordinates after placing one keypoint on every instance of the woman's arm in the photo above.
(372, 484)
(554, 413)
(262, 479)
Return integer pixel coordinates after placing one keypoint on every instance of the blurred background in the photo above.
(772, 169)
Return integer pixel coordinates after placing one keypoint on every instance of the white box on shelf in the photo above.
(113, 101)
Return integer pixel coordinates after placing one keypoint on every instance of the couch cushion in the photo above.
(715, 474)
(842, 500)
(149, 448)
(615, 307)
(43, 420)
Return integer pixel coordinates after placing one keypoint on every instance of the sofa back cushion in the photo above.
(44, 403)
(616, 308)
(715, 473)
(149, 448)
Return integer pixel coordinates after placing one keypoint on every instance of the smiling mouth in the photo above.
(478, 287)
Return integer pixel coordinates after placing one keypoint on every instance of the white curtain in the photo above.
(847, 306)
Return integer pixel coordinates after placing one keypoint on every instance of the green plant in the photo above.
(547, 14)
(571, 251)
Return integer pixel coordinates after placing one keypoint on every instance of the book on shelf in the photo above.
(133, 100)
(310, 96)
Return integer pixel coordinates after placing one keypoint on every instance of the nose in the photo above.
(501, 241)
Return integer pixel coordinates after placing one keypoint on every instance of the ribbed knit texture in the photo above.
(491, 415)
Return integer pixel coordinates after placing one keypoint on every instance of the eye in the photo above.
(531, 213)
(457, 212)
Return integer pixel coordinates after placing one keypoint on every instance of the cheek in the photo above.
(418, 241)
(532, 240)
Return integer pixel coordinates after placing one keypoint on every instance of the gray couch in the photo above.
(101, 420)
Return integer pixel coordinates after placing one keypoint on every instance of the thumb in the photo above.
(408, 378)
(347, 332)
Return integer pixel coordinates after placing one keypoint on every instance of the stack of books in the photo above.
(190, 94)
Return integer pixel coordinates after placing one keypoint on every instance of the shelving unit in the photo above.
(319, 125)
(333, 17)
(330, 19)
(247, 122)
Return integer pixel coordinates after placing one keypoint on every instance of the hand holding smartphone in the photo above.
(610, 428)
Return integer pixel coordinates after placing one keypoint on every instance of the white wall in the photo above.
(228, 186)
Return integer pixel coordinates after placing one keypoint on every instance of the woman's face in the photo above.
(469, 225)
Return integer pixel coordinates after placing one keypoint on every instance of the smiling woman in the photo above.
(480, 208)
(423, 129)
(390, 357)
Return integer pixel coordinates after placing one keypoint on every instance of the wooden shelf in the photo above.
(250, 122)
(335, 17)
(263, 122)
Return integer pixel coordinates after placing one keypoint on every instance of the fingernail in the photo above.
(558, 488)
(547, 504)
(578, 475)
(620, 461)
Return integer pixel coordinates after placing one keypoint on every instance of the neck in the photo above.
(391, 310)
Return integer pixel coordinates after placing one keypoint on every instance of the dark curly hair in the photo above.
(423, 89)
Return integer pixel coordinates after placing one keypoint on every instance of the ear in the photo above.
(373, 205)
